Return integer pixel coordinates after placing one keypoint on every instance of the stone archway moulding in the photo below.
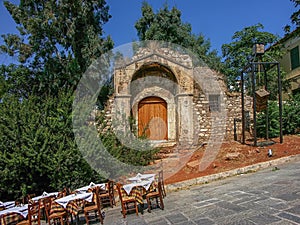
(177, 93)
(171, 107)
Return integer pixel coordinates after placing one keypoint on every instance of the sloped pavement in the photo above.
(268, 196)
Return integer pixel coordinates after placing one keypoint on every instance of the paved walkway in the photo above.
(269, 196)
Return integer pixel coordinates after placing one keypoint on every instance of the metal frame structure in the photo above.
(252, 65)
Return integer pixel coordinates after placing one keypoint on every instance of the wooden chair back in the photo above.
(62, 193)
(121, 192)
(126, 200)
(94, 208)
(158, 195)
(54, 211)
(10, 218)
(98, 203)
(161, 180)
(111, 190)
(107, 196)
(34, 213)
(29, 198)
(47, 206)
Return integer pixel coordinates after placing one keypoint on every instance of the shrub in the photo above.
(291, 119)
(273, 113)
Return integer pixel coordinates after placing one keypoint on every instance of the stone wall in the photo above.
(200, 108)
(202, 116)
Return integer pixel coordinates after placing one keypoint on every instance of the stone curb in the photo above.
(247, 169)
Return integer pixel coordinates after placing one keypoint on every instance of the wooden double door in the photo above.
(152, 118)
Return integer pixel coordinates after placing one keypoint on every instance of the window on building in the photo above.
(295, 58)
(214, 103)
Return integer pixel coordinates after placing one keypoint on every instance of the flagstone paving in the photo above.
(270, 196)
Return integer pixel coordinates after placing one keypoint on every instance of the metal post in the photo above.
(254, 103)
(243, 107)
(280, 102)
(267, 108)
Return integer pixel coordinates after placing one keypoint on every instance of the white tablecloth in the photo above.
(22, 209)
(91, 185)
(140, 180)
(140, 177)
(7, 205)
(44, 195)
(88, 196)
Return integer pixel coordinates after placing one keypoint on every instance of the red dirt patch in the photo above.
(234, 155)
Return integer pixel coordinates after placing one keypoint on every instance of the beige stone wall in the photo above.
(170, 75)
(202, 119)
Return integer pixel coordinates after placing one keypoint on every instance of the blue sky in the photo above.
(217, 20)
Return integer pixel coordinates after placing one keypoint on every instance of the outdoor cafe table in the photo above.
(90, 186)
(7, 205)
(139, 185)
(45, 195)
(22, 210)
(73, 203)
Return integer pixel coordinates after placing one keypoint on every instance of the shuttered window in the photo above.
(295, 58)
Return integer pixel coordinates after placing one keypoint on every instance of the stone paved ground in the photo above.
(270, 196)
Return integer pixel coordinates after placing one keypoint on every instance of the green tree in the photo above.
(38, 152)
(295, 17)
(166, 25)
(238, 54)
(57, 40)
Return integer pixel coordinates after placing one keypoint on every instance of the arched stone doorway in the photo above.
(167, 76)
(152, 118)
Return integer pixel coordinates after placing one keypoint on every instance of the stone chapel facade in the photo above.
(172, 100)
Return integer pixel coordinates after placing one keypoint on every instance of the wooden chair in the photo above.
(10, 218)
(2, 207)
(29, 198)
(161, 180)
(55, 214)
(21, 200)
(157, 195)
(96, 208)
(62, 193)
(108, 197)
(75, 208)
(34, 214)
(128, 203)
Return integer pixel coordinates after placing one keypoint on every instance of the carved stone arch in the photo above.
(154, 66)
(169, 98)
(163, 76)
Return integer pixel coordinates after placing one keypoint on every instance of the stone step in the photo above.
(193, 164)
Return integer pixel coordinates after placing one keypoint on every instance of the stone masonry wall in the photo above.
(202, 115)
(190, 113)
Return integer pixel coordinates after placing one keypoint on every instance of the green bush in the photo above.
(142, 153)
(273, 113)
(37, 147)
(291, 119)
